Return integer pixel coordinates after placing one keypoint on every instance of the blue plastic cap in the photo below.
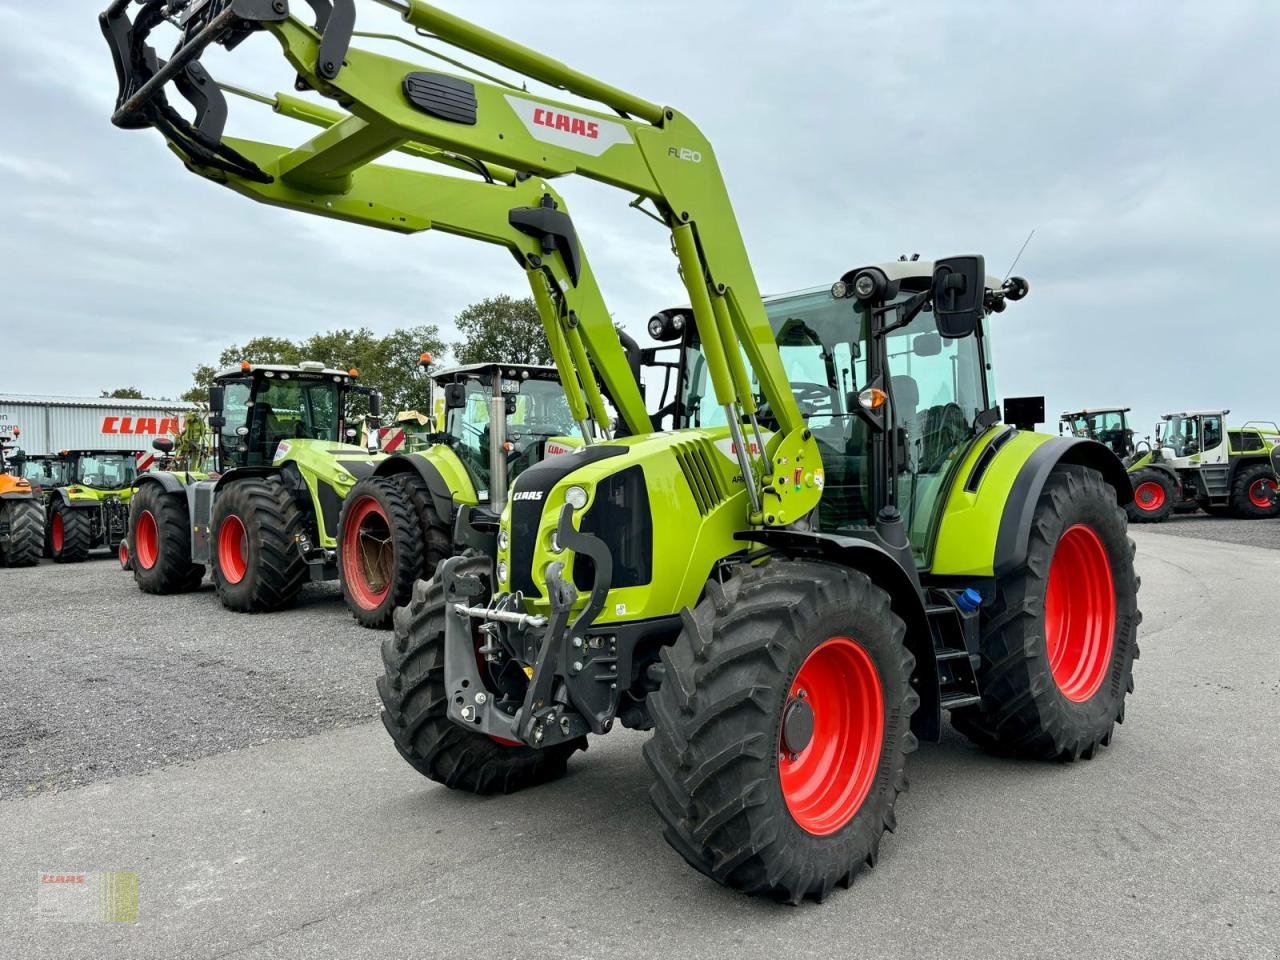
(970, 600)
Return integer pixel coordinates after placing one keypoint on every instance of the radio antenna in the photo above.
(1019, 256)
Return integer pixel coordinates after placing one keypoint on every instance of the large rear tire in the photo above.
(160, 542)
(255, 529)
(70, 533)
(1253, 494)
(379, 549)
(1059, 639)
(414, 710)
(437, 536)
(1154, 494)
(781, 729)
(26, 520)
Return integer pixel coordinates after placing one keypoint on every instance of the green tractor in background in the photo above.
(89, 508)
(495, 420)
(1195, 463)
(22, 516)
(265, 518)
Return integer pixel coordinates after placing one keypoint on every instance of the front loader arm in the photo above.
(648, 150)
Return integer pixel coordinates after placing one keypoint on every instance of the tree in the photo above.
(389, 363)
(503, 329)
(123, 393)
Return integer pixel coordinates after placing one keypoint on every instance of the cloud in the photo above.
(1139, 147)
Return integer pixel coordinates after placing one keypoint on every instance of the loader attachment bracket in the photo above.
(143, 75)
(554, 230)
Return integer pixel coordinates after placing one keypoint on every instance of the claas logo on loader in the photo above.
(139, 426)
(562, 121)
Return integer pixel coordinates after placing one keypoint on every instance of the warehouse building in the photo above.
(50, 423)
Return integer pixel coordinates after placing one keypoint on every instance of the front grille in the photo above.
(525, 518)
(620, 517)
(701, 475)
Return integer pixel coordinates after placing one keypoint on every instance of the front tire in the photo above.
(1253, 493)
(26, 520)
(255, 529)
(1059, 639)
(781, 729)
(160, 542)
(414, 709)
(70, 533)
(379, 549)
(1154, 495)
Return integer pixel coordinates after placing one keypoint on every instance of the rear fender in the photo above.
(168, 482)
(986, 523)
(887, 573)
(446, 478)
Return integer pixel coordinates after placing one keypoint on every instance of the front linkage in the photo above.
(574, 674)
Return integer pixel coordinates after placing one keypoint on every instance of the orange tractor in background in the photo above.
(21, 514)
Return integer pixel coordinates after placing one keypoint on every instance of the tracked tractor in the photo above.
(266, 518)
(497, 420)
(836, 545)
(22, 517)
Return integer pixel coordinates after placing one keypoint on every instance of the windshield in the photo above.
(46, 473)
(283, 407)
(106, 471)
(1189, 436)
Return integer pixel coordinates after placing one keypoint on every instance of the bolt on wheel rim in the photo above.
(1149, 496)
(368, 554)
(146, 540)
(1079, 613)
(840, 705)
(233, 549)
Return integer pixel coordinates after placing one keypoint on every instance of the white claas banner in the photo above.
(49, 424)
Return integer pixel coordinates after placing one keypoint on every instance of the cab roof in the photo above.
(509, 370)
(306, 368)
(1090, 411)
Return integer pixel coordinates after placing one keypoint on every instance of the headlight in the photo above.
(502, 571)
(576, 497)
(504, 540)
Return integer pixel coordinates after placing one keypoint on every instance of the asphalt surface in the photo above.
(1253, 533)
(321, 842)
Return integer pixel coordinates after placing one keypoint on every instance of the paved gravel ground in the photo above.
(1253, 533)
(103, 680)
(330, 846)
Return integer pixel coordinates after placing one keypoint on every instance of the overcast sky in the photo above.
(1140, 141)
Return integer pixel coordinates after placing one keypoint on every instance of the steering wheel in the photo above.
(812, 397)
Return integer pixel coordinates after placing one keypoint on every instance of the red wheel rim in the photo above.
(145, 540)
(124, 555)
(55, 536)
(1149, 496)
(1260, 492)
(825, 783)
(1079, 613)
(232, 549)
(368, 554)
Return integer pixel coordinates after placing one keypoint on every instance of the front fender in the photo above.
(446, 478)
(168, 482)
(889, 575)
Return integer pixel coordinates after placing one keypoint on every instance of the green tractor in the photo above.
(836, 545)
(89, 508)
(497, 419)
(22, 516)
(265, 518)
(1195, 463)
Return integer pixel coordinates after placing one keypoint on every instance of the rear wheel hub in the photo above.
(797, 725)
(1149, 496)
(1079, 613)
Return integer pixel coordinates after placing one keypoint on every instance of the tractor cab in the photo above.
(257, 410)
(501, 419)
(1194, 438)
(1107, 425)
(44, 471)
(893, 390)
(97, 471)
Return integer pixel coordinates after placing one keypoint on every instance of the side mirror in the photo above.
(455, 396)
(216, 399)
(375, 404)
(959, 291)
(927, 345)
(163, 444)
